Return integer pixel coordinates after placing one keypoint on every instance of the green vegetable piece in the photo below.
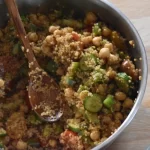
(74, 66)
(70, 81)
(58, 129)
(124, 76)
(88, 62)
(11, 28)
(123, 55)
(99, 76)
(96, 30)
(67, 81)
(72, 23)
(82, 88)
(87, 140)
(34, 119)
(51, 67)
(109, 102)
(92, 117)
(89, 82)
(24, 19)
(2, 132)
(33, 142)
(23, 71)
(2, 147)
(47, 130)
(74, 125)
(16, 49)
(122, 81)
(93, 103)
(12, 105)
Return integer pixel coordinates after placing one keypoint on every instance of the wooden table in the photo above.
(137, 134)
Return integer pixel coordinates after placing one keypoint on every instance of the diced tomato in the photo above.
(68, 132)
(75, 36)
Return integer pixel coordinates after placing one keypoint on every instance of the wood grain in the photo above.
(137, 134)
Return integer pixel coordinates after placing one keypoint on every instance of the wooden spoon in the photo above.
(44, 94)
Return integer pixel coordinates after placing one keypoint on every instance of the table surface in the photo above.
(137, 134)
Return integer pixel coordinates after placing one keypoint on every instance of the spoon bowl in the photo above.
(42, 87)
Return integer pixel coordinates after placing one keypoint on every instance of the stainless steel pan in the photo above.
(109, 14)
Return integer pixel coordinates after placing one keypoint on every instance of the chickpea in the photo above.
(117, 123)
(46, 50)
(112, 126)
(57, 33)
(120, 96)
(77, 54)
(52, 143)
(67, 30)
(113, 59)
(95, 135)
(50, 40)
(53, 28)
(106, 31)
(90, 18)
(2, 82)
(36, 49)
(86, 40)
(83, 94)
(128, 103)
(118, 116)
(69, 92)
(104, 53)
(33, 18)
(33, 37)
(102, 88)
(111, 73)
(106, 120)
(86, 33)
(110, 46)
(21, 145)
(43, 20)
(117, 106)
(97, 41)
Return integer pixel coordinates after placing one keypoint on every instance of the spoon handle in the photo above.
(14, 13)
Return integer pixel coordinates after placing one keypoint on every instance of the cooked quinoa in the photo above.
(90, 62)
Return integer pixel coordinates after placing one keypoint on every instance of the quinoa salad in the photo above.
(90, 62)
